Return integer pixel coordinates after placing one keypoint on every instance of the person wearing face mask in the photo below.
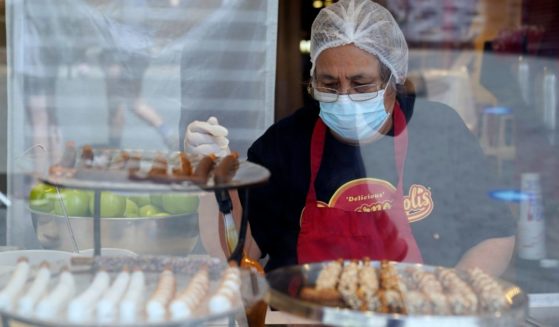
(368, 171)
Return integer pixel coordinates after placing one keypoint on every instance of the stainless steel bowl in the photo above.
(170, 235)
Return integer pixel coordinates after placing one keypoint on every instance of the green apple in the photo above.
(156, 200)
(140, 200)
(112, 205)
(90, 194)
(161, 214)
(131, 209)
(38, 197)
(149, 210)
(75, 202)
(180, 203)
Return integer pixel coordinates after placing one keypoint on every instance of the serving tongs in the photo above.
(234, 241)
(256, 314)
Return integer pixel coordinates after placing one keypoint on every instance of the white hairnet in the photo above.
(368, 26)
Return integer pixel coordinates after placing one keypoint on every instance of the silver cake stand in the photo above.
(253, 288)
(286, 283)
(117, 180)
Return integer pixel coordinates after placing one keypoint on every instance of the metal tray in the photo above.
(285, 284)
(253, 287)
(248, 174)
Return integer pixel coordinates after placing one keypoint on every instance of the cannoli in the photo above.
(107, 307)
(439, 303)
(391, 289)
(202, 171)
(391, 301)
(432, 289)
(490, 293)
(37, 290)
(184, 168)
(328, 276)
(16, 284)
(461, 298)
(81, 308)
(327, 297)
(184, 304)
(368, 287)
(347, 285)
(132, 302)
(325, 290)
(119, 161)
(66, 165)
(159, 166)
(416, 303)
(87, 156)
(133, 163)
(50, 306)
(156, 307)
(423, 281)
(226, 168)
(227, 292)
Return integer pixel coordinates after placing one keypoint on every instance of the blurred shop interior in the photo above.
(494, 61)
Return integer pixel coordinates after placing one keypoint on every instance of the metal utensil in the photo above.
(235, 240)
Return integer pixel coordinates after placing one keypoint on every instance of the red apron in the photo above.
(332, 233)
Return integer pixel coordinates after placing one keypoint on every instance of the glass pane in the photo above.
(128, 75)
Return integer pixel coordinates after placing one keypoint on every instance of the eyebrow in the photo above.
(328, 77)
(364, 77)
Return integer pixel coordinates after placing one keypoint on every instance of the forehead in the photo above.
(346, 61)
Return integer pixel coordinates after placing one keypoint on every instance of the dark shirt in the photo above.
(445, 177)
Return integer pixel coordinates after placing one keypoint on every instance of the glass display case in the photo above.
(122, 80)
(476, 90)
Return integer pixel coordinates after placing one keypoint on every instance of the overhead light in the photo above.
(318, 4)
(305, 46)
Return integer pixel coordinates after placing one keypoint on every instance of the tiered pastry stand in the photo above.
(247, 175)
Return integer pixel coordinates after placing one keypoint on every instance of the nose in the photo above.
(344, 88)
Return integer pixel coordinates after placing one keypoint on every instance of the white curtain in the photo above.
(131, 74)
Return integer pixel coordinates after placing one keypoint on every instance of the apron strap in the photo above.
(317, 148)
(400, 145)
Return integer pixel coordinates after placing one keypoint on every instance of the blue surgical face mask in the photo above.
(355, 120)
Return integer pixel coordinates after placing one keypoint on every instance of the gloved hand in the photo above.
(205, 137)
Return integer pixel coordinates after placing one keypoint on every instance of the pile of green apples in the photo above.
(79, 203)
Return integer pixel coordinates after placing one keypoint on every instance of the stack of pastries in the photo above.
(413, 290)
(89, 163)
(125, 297)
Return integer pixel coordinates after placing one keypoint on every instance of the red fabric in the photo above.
(332, 233)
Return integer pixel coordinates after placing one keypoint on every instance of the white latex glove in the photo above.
(205, 137)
